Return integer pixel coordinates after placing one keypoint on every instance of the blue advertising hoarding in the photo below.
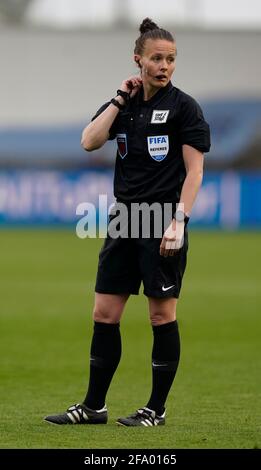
(228, 200)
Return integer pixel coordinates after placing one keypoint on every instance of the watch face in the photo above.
(180, 216)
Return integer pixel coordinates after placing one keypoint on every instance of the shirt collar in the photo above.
(155, 98)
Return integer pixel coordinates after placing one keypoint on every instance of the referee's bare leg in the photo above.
(162, 310)
(109, 308)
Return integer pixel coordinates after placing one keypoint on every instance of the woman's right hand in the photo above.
(131, 85)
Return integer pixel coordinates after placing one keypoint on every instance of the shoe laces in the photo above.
(79, 408)
(145, 413)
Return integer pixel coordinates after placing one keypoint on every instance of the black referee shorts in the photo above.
(125, 262)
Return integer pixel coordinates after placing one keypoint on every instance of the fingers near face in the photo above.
(137, 82)
(134, 83)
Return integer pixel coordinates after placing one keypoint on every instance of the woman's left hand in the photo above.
(131, 85)
(173, 239)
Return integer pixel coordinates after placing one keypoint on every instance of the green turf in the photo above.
(47, 280)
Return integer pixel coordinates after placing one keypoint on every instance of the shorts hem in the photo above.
(159, 295)
(114, 291)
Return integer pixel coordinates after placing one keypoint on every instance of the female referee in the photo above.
(161, 137)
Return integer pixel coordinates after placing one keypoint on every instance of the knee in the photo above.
(106, 313)
(159, 317)
(108, 308)
(102, 315)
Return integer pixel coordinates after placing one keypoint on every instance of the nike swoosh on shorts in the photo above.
(167, 288)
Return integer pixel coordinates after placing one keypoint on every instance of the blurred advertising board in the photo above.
(228, 200)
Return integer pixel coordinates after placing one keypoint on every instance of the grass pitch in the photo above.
(47, 281)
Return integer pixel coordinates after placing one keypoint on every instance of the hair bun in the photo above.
(147, 25)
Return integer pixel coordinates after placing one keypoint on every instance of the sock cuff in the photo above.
(106, 327)
(165, 328)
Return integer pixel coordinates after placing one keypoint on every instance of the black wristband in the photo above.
(117, 104)
(124, 94)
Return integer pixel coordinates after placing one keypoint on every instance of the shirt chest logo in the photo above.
(158, 147)
(159, 117)
(122, 145)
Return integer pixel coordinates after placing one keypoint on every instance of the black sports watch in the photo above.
(124, 94)
(117, 104)
(180, 216)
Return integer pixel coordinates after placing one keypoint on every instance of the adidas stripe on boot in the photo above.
(80, 414)
(143, 417)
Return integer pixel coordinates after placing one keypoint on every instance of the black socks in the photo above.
(165, 360)
(104, 359)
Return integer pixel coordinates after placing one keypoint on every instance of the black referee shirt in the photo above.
(150, 134)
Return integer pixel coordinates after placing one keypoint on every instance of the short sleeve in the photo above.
(113, 129)
(193, 127)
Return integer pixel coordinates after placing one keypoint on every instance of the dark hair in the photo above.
(150, 30)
